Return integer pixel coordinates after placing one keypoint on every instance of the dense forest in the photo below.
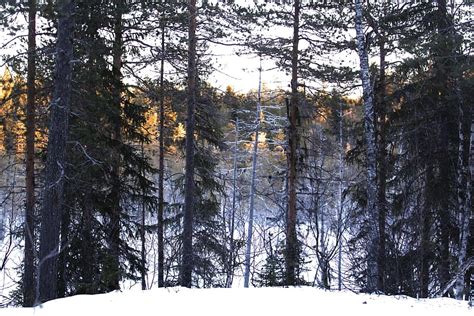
(123, 165)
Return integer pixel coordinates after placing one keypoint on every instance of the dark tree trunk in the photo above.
(444, 208)
(62, 278)
(187, 257)
(425, 235)
(29, 235)
(87, 248)
(55, 164)
(114, 274)
(382, 166)
(143, 230)
(161, 169)
(291, 256)
(230, 262)
(442, 74)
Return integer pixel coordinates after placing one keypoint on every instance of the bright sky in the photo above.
(241, 72)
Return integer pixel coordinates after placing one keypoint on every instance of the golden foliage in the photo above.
(12, 128)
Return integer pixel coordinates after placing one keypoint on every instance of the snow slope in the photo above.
(239, 301)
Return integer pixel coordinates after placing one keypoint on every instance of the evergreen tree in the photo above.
(53, 202)
(29, 235)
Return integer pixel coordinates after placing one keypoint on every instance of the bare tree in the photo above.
(248, 250)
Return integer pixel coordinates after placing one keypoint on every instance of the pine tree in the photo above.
(291, 255)
(52, 208)
(188, 255)
(29, 235)
(429, 129)
(97, 236)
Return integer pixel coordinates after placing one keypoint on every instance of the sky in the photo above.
(241, 72)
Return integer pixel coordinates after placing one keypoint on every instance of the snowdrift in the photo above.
(239, 301)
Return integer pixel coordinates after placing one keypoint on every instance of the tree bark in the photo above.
(382, 164)
(29, 235)
(371, 156)
(425, 234)
(114, 273)
(88, 252)
(55, 162)
(464, 178)
(161, 167)
(187, 263)
(340, 208)
(471, 294)
(62, 259)
(291, 255)
(230, 268)
(143, 231)
(444, 211)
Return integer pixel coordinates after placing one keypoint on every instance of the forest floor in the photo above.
(239, 301)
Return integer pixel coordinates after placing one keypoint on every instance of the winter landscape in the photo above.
(217, 157)
(254, 301)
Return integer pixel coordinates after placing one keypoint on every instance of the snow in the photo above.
(240, 301)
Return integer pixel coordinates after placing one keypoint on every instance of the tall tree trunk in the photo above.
(29, 235)
(113, 234)
(371, 155)
(88, 259)
(382, 164)
(62, 260)
(323, 255)
(187, 257)
(55, 162)
(143, 247)
(161, 167)
(444, 210)
(425, 235)
(464, 176)
(230, 269)
(340, 208)
(471, 293)
(143, 230)
(291, 255)
(443, 69)
(464, 190)
(248, 250)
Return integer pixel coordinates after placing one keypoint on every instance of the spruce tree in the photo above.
(53, 207)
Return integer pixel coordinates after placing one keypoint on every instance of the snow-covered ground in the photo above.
(239, 301)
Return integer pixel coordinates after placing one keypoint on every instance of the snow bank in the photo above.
(239, 301)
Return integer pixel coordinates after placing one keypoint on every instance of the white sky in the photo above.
(240, 72)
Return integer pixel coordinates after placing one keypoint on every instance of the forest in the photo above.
(131, 157)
